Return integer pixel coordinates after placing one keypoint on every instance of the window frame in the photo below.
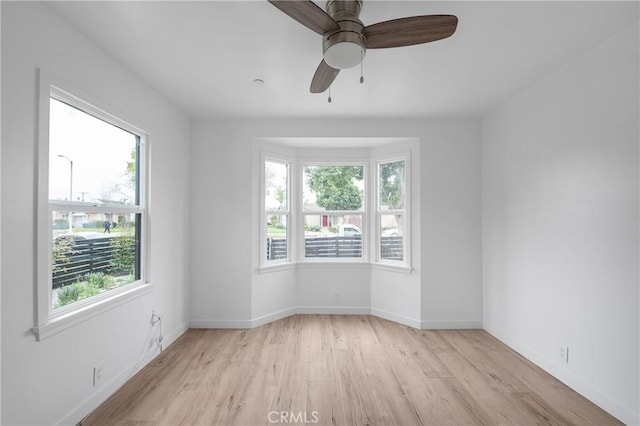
(48, 320)
(299, 156)
(265, 213)
(364, 213)
(405, 212)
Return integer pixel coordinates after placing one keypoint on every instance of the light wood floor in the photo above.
(343, 370)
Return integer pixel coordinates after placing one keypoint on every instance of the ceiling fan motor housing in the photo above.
(344, 48)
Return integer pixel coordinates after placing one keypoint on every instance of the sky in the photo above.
(99, 151)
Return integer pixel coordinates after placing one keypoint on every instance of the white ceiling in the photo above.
(203, 56)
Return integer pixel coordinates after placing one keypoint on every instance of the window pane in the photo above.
(333, 188)
(102, 252)
(276, 247)
(391, 234)
(333, 236)
(276, 178)
(91, 160)
(391, 185)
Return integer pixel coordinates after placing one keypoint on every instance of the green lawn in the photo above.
(81, 230)
(273, 231)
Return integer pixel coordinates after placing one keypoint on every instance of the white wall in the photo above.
(51, 381)
(560, 213)
(221, 177)
(451, 228)
(220, 208)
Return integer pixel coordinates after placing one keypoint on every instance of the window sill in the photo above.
(403, 269)
(265, 269)
(336, 264)
(341, 264)
(63, 322)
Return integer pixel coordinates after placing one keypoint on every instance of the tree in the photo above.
(130, 171)
(392, 188)
(392, 185)
(281, 195)
(335, 186)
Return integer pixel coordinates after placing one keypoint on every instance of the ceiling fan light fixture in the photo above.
(344, 55)
(345, 39)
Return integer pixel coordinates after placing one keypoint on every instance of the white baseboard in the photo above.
(337, 310)
(334, 310)
(450, 325)
(265, 319)
(216, 323)
(400, 319)
(102, 393)
(603, 401)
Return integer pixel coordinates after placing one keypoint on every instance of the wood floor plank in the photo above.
(343, 370)
(325, 403)
(486, 389)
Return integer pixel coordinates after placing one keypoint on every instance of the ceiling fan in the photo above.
(345, 39)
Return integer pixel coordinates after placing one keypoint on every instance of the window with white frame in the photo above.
(95, 186)
(391, 210)
(276, 210)
(333, 211)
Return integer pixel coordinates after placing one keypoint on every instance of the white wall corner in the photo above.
(274, 316)
(400, 319)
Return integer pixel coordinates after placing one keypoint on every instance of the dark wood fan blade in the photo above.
(308, 14)
(409, 31)
(323, 77)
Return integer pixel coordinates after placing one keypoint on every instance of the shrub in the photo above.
(60, 224)
(99, 280)
(62, 248)
(74, 292)
(124, 258)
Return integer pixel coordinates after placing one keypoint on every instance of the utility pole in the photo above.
(70, 218)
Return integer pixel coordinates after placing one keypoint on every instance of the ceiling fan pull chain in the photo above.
(361, 61)
(329, 100)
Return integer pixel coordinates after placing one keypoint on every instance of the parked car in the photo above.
(349, 230)
(391, 232)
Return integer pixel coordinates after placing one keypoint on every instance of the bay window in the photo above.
(334, 209)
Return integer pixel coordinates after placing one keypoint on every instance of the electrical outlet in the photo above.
(97, 375)
(336, 296)
(564, 354)
(155, 318)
